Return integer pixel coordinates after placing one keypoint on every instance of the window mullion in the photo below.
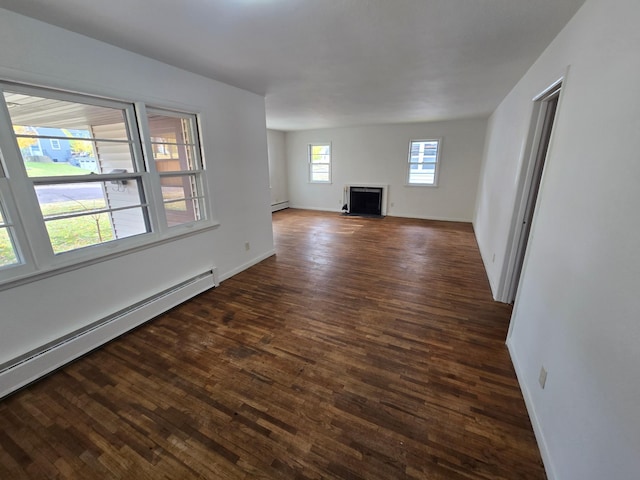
(92, 212)
(180, 173)
(134, 115)
(103, 177)
(151, 181)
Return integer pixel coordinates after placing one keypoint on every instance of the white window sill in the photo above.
(125, 247)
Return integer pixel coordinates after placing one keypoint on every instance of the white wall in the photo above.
(378, 155)
(578, 305)
(235, 151)
(277, 167)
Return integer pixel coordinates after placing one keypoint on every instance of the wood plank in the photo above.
(365, 349)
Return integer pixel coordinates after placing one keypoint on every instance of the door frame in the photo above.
(530, 177)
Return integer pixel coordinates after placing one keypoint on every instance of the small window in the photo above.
(55, 144)
(423, 162)
(320, 163)
(176, 152)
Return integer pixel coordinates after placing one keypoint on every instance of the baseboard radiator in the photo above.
(29, 367)
(279, 206)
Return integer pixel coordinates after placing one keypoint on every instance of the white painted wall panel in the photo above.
(578, 306)
(378, 155)
(235, 153)
(278, 177)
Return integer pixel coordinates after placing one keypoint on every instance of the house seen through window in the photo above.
(79, 205)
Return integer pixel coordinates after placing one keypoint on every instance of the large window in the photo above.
(320, 163)
(79, 179)
(95, 194)
(424, 157)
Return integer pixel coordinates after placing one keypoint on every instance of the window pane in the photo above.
(182, 204)
(71, 233)
(320, 168)
(420, 158)
(7, 252)
(178, 186)
(60, 115)
(54, 135)
(96, 212)
(318, 158)
(50, 169)
(422, 173)
(183, 211)
(174, 158)
(319, 173)
(320, 153)
(171, 129)
(423, 151)
(87, 196)
(172, 140)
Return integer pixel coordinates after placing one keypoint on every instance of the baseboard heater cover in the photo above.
(279, 206)
(29, 367)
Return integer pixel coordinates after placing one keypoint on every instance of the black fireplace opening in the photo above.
(365, 201)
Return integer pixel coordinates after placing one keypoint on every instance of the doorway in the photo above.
(544, 114)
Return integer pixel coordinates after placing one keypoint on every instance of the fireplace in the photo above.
(366, 201)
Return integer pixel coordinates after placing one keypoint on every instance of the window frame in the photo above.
(17, 192)
(311, 163)
(436, 163)
(17, 237)
(198, 172)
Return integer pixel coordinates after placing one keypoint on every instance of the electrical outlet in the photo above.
(247, 246)
(542, 379)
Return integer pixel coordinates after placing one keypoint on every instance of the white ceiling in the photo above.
(330, 63)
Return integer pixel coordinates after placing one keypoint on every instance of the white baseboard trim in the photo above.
(30, 367)
(537, 429)
(427, 217)
(279, 206)
(244, 266)
(438, 219)
(317, 209)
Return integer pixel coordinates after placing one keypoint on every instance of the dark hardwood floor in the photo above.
(365, 349)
